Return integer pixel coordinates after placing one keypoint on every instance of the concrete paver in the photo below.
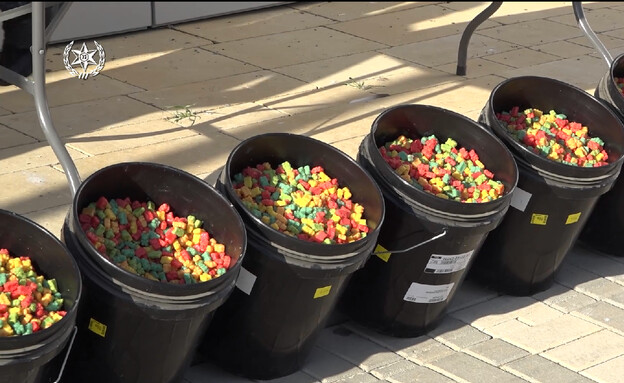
(535, 368)
(327, 70)
(190, 63)
(544, 336)
(421, 350)
(443, 50)
(418, 374)
(533, 32)
(85, 117)
(467, 368)
(30, 156)
(583, 72)
(564, 49)
(329, 368)
(246, 25)
(11, 138)
(522, 57)
(295, 47)
(222, 92)
(604, 19)
(356, 349)
(410, 25)
(329, 125)
(588, 351)
(607, 372)
(457, 335)
(344, 11)
(496, 352)
(604, 314)
(63, 89)
(564, 299)
(379, 71)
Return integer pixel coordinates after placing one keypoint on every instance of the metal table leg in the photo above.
(465, 39)
(36, 86)
(579, 14)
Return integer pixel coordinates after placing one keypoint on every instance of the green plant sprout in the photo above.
(182, 112)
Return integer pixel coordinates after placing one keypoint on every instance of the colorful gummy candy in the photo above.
(152, 242)
(442, 169)
(301, 202)
(28, 301)
(554, 137)
(619, 82)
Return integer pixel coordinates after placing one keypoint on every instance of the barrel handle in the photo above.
(71, 343)
(440, 235)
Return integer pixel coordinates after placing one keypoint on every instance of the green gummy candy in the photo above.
(155, 254)
(154, 223)
(126, 236)
(123, 218)
(18, 328)
(55, 305)
(188, 279)
(52, 285)
(138, 211)
(99, 231)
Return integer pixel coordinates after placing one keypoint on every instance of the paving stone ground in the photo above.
(327, 70)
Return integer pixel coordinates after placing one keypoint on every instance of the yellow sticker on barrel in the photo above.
(322, 291)
(382, 253)
(573, 218)
(539, 219)
(97, 327)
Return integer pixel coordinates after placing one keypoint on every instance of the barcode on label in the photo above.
(420, 293)
(444, 264)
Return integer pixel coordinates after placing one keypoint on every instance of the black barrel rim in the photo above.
(430, 203)
(616, 70)
(36, 340)
(136, 283)
(565, 90)
(308, 251)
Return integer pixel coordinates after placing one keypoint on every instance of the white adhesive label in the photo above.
(444, 264)
(419, 293)
(245, 281)
(520, 199)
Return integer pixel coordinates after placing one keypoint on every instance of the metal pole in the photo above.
(465, 39)
(579, 14)
(41, 102)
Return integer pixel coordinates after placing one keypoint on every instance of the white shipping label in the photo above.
(444, 264)
(419, 293)
(520, 199)
(245, 281)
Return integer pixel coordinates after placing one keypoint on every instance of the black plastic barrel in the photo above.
(287, 287)
(38, 357)
(604, 230)
(405, 289)
(553, 200)
(607, 90)
(132, 329)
